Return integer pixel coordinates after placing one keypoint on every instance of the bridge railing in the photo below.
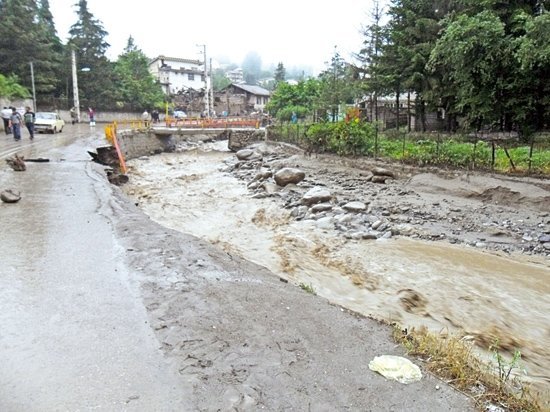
(214, 122)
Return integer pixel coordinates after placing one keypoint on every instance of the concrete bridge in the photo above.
(135, 142)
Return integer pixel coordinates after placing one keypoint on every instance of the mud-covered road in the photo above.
(104, 309)
(466, 253)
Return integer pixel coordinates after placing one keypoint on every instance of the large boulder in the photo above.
(241, 138)
(289, 175)
(316, 195)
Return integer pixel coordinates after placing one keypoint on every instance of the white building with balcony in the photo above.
(176, 74)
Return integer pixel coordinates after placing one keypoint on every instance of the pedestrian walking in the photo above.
(74, 118)
(15, 123)
(29, 118)
(6, 114)
(91, 115)
(145, 118)
(155, 116)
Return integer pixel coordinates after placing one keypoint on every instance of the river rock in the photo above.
(270, 188)
(244, 154)
(321, 207)
(544, 239)
(10, 196)
(263, 175)
(325, 223)
(316, 195)
(299, 212)
(289, 175)
(355, 207)
(379, 179)
(380, 171)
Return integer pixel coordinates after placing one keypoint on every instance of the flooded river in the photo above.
(445, 287)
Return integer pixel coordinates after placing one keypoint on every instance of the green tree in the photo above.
(135, 84)
(26, 36)
(337, 86)
(471, 52)
(87, 38)
(252, 67)
(10, 88)
(280, 73)
(300, 98)
(219, 80)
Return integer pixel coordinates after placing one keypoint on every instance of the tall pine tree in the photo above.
(87, 38)
(26, 37)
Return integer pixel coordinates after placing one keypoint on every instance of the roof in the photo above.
(175, 59)
(256, 90)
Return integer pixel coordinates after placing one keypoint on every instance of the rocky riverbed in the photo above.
(458, 252)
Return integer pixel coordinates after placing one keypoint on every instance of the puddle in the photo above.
(441, 286)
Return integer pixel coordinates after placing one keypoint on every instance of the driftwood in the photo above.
(17, 163)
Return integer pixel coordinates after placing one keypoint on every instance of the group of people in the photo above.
(154, 117)
(13, 121)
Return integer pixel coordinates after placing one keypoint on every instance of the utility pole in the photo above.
(211, 88)
(75, 86)
(206, 88)
(33, 89)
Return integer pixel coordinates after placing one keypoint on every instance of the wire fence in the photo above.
(502, 152)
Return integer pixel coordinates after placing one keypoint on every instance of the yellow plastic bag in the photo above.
(397, 368)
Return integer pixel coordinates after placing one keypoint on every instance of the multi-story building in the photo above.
(236, 76)
(176, 74)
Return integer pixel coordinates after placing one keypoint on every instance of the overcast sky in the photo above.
(297, 33)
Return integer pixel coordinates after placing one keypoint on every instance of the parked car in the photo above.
(49, 122)
(180, 114)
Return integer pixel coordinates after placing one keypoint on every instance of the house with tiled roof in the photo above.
(176, 74)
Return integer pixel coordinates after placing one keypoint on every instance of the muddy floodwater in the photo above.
(479, 293)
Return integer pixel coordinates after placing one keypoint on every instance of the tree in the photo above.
(300, 98)
(134, 83)
(252, 67)
(10, 88)
(26, 35)
(470, 52)
(87, 38)
(337, 85)
(280, 73)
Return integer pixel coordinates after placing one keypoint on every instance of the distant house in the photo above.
(176, 74)
(236, 76)
(240, 99)
(389, 115)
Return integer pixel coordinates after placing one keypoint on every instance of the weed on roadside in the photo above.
(453, 360)
(308, 288)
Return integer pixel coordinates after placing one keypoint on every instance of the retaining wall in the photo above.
(145, 142)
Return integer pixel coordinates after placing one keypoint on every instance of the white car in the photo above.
(49, 122)
(180, 114)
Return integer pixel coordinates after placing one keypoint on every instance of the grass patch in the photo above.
(308, 288)
(453, 360)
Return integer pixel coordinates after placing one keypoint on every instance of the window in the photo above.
(191, 76)
(258, 100)
(202, 77)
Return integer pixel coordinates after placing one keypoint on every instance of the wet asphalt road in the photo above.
(74, 334)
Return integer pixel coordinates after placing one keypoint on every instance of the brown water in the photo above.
(444, 287)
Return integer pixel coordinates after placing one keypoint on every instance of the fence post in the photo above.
(531, 152)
